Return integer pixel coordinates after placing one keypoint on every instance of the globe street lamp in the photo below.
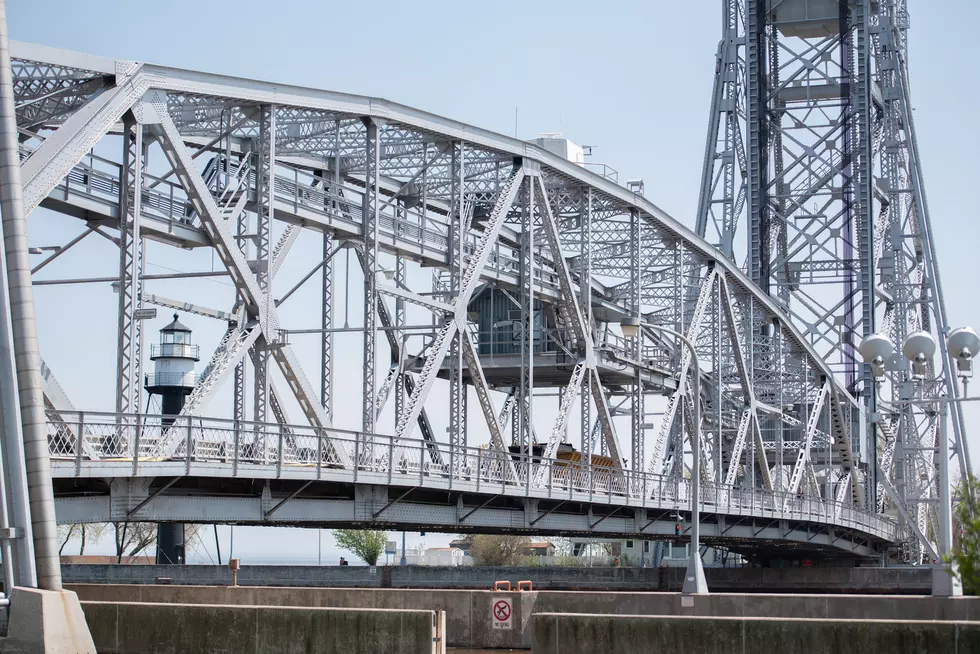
(919, 347)
(694, 581)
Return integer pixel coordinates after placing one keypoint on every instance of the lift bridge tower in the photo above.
(812, 182)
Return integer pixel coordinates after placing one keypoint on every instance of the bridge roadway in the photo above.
(244, 473)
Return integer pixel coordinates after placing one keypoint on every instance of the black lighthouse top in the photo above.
(175, 326)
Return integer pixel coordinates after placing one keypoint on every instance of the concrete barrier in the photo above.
(148, 628)
(563, 633)
(888, 581)
(469, 612)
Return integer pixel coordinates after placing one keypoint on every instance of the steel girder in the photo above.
(455, 516)
(393, 181)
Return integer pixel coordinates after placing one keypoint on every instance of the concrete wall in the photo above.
(773, 580)
(130, 628)
(468, 612)
(631, 634)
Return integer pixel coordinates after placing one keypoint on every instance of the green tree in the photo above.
(965, 557)
(498, 550)
(367, 544)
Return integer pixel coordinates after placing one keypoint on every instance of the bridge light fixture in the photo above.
(919, 348)
(630, 326)
(963, 344)
(877, 350)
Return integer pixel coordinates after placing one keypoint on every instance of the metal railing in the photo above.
(125, 444)
(97, 179)
(171, 379)
(184, 350)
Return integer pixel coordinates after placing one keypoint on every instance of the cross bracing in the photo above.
(244, 168)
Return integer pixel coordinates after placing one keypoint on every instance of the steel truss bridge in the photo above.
(810, 150)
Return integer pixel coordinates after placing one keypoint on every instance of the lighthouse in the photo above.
(173, 376)
(173, 379)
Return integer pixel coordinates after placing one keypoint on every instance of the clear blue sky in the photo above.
(631, 78)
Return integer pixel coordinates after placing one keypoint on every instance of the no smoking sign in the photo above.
(501, 613)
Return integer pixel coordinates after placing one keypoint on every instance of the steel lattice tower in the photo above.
(812, 182)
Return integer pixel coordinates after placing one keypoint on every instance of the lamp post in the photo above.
(963, 345)
(694, 582)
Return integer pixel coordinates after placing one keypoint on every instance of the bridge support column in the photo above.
(170, 543)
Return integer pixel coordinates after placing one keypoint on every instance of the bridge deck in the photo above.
(267, 474)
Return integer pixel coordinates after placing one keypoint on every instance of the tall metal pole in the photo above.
(945, 583)
(694, 581)
(18, 553)
(27, 356)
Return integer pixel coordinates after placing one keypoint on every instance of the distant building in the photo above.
(434, 556)
(635, 552)
(535, 548)
(444, 556)
(540, 549)
(556, 143)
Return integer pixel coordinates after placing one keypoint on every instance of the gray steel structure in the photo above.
(812, 177)
(249, 166)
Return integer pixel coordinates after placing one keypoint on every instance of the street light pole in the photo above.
(694, 581)
(945, 582)
(962, 346)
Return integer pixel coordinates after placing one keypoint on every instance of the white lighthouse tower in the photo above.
(173, 379)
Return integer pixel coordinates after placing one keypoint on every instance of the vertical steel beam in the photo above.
(401, 376)
(326, 285)
(457, 233)
(758, 141)
(636, 272)
(585, 303)
(130, 269)
(370, 213)
(525, 391)
(264, 209)
(241, 231)
(326, 323)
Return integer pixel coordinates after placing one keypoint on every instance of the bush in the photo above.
(965, 558)
(498, 550)
(366, 544)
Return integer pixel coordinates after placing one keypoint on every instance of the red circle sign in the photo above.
(501, 610)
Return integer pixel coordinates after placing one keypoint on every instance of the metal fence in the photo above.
(123, 443)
